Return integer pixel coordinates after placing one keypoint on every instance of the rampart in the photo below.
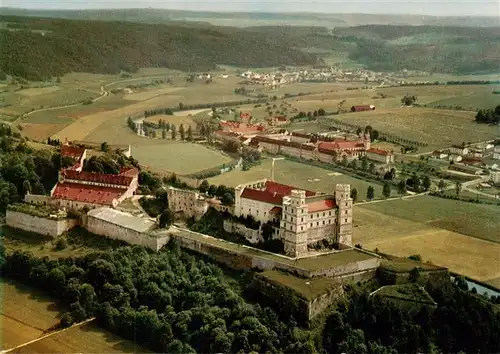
(45, 226)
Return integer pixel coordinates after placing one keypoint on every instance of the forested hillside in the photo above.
(109, 47)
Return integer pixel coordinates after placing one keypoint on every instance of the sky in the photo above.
(415, 7)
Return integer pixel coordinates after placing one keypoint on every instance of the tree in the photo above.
(364, 163)
(212, 190)
(402, 187)
(166, 219)
(408, 100)
(458, 187)
(441, 185)
(354, 194)
(386, 190)
(164, 133)
(426, 183)
(203, 188)
(182, 132)
(104, 146)
(414, 275)
(227, 199)
(173, 132)
(26, 187)
(190, 134)
(370, 193)
(371, 168)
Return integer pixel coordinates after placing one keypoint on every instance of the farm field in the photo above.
(25, 314)
(470, 219)
(389, 234)
(151, 93)
(437, 127)
(470, 102)
(87, 338)
(297, 174)
(179, 157)
(176, 120)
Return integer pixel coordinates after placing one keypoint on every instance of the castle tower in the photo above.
(344, 214)
(294, 223)
(237, 199)
(367, 141)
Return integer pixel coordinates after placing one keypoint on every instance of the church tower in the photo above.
(344, 214)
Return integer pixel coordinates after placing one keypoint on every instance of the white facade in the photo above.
(455, 158)
(459, 150)
(190, 203)
(495, 177)
(385, 157)
(496, 152)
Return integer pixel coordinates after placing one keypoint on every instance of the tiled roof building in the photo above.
(305, 217)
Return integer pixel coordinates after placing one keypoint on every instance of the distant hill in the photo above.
(39, 48)
(245, 19)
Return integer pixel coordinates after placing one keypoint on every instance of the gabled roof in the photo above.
(273, 193)
(331, 146)
(86, 193)
(72, 151)
(120, 180)
(380, 152)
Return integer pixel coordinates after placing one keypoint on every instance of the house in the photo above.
(384, 156)
(302, 218)
(76, 189)
(476, 153)
(362, 108)
(439, 154)
(186, 202)
(495, 177)
(496, 152)
(466, 169)
(77, 154)
(454, 157)
(459, 150)
(277, 121)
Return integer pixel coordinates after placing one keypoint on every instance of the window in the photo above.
(264, 213)
(345, 220)
(317, 223)
(311, 225)
(329, 213)
(292, 218)
(346, 212)
(301, 219)
(346, 204)
(286, 208)
(317, 215)
(323, 222)
(329, 221)
(302, 228)
(323, 214)
(311, 216)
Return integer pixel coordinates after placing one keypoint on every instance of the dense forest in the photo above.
(111, 47)
(488, 116)
(175, 302)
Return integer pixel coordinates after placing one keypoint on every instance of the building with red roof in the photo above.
(363, 108)
(305, 218)
(379, 155)
(76, 188)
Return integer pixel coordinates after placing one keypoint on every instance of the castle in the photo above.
(302, 218)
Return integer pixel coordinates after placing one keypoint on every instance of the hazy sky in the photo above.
(417, 7)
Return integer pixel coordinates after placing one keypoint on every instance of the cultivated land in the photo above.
(297, 174)
(25, 314)
(437, 127)
(84, 339)
(174, 119)
(421, 225)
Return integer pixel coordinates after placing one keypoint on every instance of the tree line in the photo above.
(130, 46)
(488, 116)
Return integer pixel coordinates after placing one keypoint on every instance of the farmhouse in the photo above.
(467, 169)
(459, 150)
(439, 154)
(384, 156)
(495, 177)
(496, 152)
(362, 108)
(304, 217)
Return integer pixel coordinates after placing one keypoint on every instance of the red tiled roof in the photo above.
(276, 210)
(380, 152)
(129, 171)
(362, 108)
(86, 193)
(265, 139)
(339, 145)
(97, 177)
(272, 194)
(75, 167)
(320, 205)
(71, 151)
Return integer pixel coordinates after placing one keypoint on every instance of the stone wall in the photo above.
(43, 226)
(253, 236)
(321, 303)
(348, 268)
(117, 232)
(388, 277)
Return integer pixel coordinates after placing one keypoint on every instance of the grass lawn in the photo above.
(25, 314)
(332, 260)
(437, 127)
(174, 119)
(474, 101)
(406, 292)
(404, 265)
(300, 175)
(470, 219)
(84, 339)
(308, 289)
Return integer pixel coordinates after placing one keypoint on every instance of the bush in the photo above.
(61, 244)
